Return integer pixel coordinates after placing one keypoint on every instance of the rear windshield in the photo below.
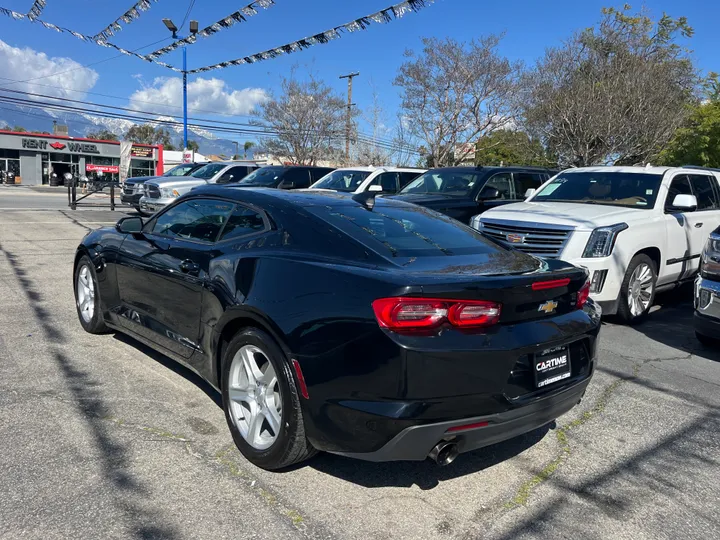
(347, 181)
(267, 176)
(410, 231)
(454, 183)
(208, 171)
(638, 190)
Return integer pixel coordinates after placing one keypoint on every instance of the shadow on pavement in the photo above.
(425, 474)
(173, 366)
(672, 324)
(115, 459)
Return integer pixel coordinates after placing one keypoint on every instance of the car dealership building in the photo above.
(34, 157)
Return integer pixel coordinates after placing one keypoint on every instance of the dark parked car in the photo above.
(365, 327)
(133, 189)
(285, 177)
(464, 192)
(707, 293)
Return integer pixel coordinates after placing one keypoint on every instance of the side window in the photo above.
(242, 222)
(503, 183)
(680, 186)
(299, 176)
(196, 219)
(388, 181)
(703, 187)
(407, 177)
(525, 181)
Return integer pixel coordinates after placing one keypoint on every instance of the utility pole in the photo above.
(193, 30)
(348, 121)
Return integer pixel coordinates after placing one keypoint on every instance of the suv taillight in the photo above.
(583, 295)
(408, 314)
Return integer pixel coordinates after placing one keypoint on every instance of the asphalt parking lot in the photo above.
(102, 438)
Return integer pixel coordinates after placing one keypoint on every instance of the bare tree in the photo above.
(454, 93)
(306, 121)
(372, 148)
(611, 94)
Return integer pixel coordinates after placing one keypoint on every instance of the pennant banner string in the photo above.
(36, 9)
(383, 16)
(128, 17)
(224, 23)
(98, 40)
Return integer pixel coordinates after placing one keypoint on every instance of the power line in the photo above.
(207, 123)
(187, 14)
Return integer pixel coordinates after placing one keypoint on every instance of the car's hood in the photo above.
(178, 181)
(141, 179)
(582, 216)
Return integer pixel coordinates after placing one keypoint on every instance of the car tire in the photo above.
(637, 292)
(250, 405)
(707, 341)
(87, 297)
(142, 212)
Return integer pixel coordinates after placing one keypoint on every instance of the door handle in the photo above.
(190, 267)
(698, 225)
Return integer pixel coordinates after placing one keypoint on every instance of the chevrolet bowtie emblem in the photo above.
(548, 307)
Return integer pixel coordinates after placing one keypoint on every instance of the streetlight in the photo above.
(193, 30)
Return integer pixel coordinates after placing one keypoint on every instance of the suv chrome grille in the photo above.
(128, 189)
(541, 240)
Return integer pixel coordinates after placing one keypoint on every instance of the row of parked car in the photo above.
(637, 230)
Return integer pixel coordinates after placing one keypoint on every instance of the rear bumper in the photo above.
(414, 443)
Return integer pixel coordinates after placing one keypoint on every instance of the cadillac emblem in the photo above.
(515, 238)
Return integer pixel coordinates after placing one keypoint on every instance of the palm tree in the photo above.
(247, 146)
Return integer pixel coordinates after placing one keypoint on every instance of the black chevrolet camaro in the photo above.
(371, 328)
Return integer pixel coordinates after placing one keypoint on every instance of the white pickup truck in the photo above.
(636, 229)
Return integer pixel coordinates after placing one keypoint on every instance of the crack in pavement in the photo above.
(523, 494)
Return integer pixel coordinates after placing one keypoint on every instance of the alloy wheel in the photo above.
(640, 289)
(85, 293)
(255, 400)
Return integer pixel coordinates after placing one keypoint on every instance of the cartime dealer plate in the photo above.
(551, 366)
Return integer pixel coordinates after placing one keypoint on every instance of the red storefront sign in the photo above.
(102, 168)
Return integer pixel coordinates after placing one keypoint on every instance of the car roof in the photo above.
(621, 169)
(298, 166)
(509, 168)
(294, 197)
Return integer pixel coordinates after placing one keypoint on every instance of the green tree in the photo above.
(194, 146)
(698, 141)
(19, 129)
(504, 147)
(102, 135)
(247, 146)
(149, 134)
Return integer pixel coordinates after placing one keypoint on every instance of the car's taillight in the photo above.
(583, 295)
(408, 314)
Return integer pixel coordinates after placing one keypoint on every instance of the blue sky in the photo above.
(529, 26)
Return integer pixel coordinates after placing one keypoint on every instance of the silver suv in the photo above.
(161, 192)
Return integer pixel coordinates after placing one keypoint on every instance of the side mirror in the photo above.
(687, 203)
(375, 189)
(225, 179)
(129, 225)
(489, 193)
(530, 192)
(285, 184)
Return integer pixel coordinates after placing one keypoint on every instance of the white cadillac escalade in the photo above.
(636, 229)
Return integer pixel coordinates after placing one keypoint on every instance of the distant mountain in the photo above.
(79, 125)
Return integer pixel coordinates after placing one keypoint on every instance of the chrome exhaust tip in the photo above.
(444, 453)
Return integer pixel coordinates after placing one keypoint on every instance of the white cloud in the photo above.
(72, 79)
(164, 96)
